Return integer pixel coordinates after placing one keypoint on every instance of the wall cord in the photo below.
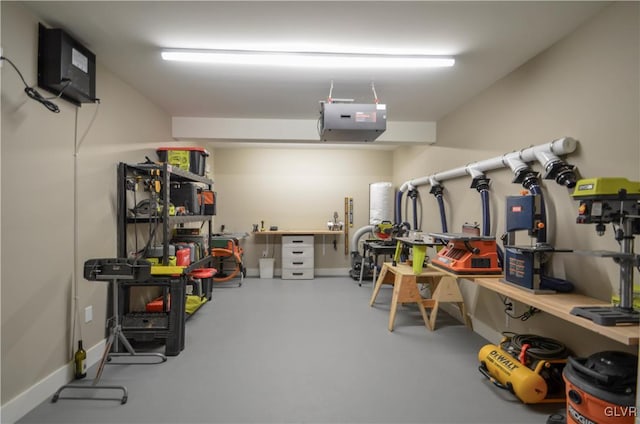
(33, 93)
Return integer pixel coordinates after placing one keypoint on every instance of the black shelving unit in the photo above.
(168, 174)
(168, 325)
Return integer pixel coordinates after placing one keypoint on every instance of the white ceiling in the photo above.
(488, 39)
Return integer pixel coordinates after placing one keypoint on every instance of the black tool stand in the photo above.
(115, 271)
(375, 249)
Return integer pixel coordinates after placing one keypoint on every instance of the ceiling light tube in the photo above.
(308, 59)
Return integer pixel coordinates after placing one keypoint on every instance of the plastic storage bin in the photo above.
(191, 159)
(266, 267)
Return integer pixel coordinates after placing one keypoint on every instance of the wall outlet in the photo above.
(88, 314)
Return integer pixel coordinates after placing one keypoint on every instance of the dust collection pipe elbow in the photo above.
(473, 171)
(358, 234)
(557, 169)
(512, 160)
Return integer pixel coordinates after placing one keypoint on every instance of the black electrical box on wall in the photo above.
(65, 67)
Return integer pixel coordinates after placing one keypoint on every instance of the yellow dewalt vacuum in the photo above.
(528, 366)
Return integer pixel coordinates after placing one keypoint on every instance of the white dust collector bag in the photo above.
(380, 202)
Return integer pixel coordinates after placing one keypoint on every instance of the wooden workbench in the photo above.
(405, 290)
(302, 269)
(465, 276)
(560, 305)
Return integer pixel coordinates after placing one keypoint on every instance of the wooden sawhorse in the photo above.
(444, 288)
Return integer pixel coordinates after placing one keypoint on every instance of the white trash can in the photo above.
(266, 267)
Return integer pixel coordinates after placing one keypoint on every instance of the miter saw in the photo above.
(615, 201)
(384, 234)
(384, 230)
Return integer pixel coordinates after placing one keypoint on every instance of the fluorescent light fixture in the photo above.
(308, 59)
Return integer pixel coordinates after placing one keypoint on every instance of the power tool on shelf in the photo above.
(615, 201)
(525, 266)
(467, 254)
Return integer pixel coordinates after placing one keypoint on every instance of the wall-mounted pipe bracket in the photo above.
(562, 172)
(481, 183)
(436, 190)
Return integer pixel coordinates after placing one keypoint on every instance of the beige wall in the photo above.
(295, 190)
(587, 87)
(38, 204)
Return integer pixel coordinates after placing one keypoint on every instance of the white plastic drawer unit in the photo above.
(297, 274)
(297, 252)
(297, 257)
(302, 241)
(294, 263)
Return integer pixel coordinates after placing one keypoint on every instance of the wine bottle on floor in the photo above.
(80, 362)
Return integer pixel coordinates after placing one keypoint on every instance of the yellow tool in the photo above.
(530, 378)
(155, 182)
(383, 230)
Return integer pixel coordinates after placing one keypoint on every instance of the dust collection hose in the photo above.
(481, 183)
(413, 195)
(486, 215)
(398, 213)
(437, 190)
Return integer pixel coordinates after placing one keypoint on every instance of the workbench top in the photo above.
(560, 305)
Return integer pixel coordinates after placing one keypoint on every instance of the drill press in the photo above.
(615, 201)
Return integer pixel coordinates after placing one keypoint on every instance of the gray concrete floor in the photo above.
(306, 351)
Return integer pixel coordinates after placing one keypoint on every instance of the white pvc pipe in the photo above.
(546, 154)
(474, 172)
(359, 233)
(513, 161)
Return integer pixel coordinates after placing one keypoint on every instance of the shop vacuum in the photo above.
(601, 388)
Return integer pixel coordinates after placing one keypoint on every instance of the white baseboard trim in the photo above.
(318, 272)
(20, 405)
(479, 327)
(486, 331)
(332, 272)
